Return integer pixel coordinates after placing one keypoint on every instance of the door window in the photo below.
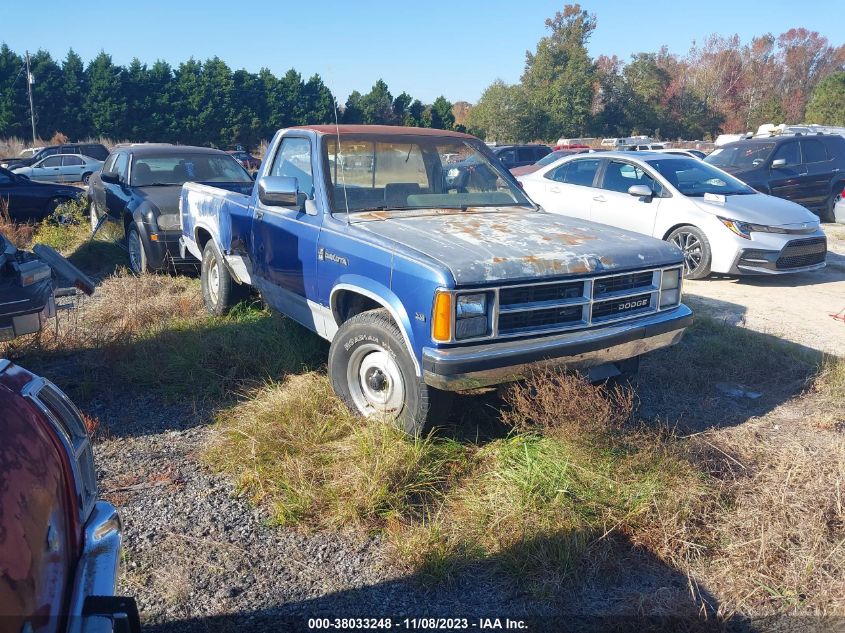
(109, 164)
(582, 172)
(526, 155)
(294, 160)
(559, 174)
(71, 161)
(814, 151)
(508, 157)
(121, 165)
(789, 152)
(620, 176)
(53, 161)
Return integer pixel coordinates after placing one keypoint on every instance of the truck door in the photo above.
(820, 168)
(787, 181)
(284, 240)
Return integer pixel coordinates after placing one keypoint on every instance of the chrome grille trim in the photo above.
(586, 300)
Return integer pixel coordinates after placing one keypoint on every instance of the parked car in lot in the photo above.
(425, 285)
(520, 155)
(61, 168)
(33, 201)
(249, 162)
(809, 170)
(97, 151)
(548, 159)
(139, 187)
(721, 224)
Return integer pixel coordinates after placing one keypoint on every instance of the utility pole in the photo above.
(29, 81)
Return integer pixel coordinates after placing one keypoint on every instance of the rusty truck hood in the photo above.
(484, 245)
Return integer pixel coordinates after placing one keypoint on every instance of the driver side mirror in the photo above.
(640, 191)
(278, 191)
(777, 164)
(111, 177)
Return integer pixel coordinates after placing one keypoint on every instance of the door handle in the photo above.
(554, 189)
(259, 215)
(599, 198)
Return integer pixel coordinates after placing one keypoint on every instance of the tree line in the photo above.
(722, 85)
(197, 103)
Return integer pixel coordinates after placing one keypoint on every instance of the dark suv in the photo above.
(94, 150)
(809, 170)
(519, 155)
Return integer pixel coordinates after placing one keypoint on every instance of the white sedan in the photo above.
(721, 224)
(62, 168)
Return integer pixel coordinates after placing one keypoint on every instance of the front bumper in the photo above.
(454, 369)
(163, 250)
(96, 573)
(798, 255)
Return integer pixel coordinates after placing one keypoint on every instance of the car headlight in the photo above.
(744, 229)
(670, 288)
(471, 315)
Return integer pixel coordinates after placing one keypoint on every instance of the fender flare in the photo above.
(385, 297)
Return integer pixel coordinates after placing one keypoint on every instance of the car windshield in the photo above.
(745, 156)
(177, 169)
(693, 177)
(412, 172)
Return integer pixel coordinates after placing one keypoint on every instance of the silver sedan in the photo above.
(62, 168)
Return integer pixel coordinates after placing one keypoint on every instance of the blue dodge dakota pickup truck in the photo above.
(428, 274)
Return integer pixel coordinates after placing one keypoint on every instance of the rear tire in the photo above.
(696, 249)
(372, 372)
(85, 178)
(220, 291)
(826, 214)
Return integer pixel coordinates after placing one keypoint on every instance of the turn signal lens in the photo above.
(441, 327)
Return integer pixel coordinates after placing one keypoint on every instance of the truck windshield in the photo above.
(177, 169)
(415, 172)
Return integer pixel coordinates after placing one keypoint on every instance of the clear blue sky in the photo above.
(424, 48)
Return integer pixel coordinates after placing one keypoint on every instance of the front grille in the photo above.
(548, 318)
(539, 294)
(569, 305)
(617, 307)
(622, 283)
(799, 253)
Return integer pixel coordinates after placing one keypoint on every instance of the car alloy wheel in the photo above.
(692, 250)
(375, 381)
(136, 261)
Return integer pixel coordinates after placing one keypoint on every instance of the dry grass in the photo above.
(18, 234)
(529, 504)
(560, 404)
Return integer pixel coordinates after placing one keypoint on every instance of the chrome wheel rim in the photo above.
(134, 246)
(213, 281)
(375, 381)
(691, 248)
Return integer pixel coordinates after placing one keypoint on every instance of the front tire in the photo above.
(696, 249)
(372, 372)
(138, 262)
(85, 178)
(220, 291)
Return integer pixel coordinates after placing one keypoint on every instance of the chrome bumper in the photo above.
(454, 369)
(96, 571)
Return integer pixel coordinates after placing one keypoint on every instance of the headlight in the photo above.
(471, 315)
(743, 229)
(670, 288)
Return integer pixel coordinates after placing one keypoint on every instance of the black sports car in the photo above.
(31, 201)
(139, 189)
